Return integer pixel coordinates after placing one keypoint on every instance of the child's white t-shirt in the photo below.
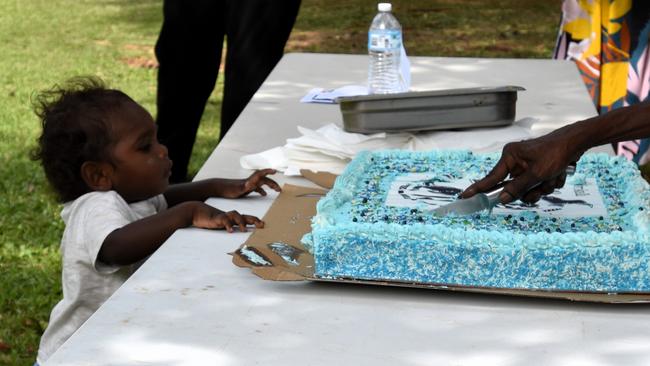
(87, 282)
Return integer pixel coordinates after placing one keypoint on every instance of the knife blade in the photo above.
(482, 201)
(478, 202)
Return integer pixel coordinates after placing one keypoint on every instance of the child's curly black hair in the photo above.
(76, 128)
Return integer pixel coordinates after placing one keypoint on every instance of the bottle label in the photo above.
(384, 40)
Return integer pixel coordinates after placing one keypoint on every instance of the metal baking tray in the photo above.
(430, 110)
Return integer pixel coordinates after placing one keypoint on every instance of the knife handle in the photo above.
(493, 194)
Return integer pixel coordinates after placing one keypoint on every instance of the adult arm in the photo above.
(541, 162)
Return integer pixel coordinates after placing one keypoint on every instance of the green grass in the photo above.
(47, 42)
(473, 28)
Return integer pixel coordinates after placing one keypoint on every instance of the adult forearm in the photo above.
(621, 124)
(141, 238)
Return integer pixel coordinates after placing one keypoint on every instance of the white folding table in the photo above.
(189, 305)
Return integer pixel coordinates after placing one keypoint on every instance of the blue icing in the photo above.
(355, 235)
(287, 252)
(253, 257)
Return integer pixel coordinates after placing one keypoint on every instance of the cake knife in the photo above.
(481, 201)
(478, 202)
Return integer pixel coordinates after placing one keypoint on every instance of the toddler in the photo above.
(100, 154)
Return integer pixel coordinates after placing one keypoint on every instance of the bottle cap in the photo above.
(385, 7)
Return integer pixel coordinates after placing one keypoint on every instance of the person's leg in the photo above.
(256, 34)
(189, 53)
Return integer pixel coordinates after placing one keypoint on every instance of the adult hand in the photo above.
(537, 167)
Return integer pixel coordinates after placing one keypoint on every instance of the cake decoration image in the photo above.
(429, 191)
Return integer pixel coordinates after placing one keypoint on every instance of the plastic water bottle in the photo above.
(384, 48)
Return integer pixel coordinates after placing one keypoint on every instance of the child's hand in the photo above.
(242, 187)
(208, 217)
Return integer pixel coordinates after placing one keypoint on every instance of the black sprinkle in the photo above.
(354, 219)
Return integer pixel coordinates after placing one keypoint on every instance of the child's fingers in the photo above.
(237, 219)
(253, 220)
(261, 191)
(227, 224)
(265, 172)
(272, 184)
(258, 175)
(254, 181)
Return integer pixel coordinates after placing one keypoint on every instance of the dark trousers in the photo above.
(189, 53)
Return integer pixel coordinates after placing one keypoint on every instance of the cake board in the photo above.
(276, 253)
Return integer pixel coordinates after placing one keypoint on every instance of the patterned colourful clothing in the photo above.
(608, 40)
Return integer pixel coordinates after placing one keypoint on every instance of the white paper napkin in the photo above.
(329, 96)
(405, 69)
(329, 148)
(480, 140)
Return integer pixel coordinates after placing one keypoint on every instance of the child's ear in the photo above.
(97, 175)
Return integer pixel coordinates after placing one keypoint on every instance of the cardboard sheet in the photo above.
(278, 243)
(323, 179)
(275, 253)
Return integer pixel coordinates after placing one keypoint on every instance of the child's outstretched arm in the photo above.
(217, 187)
(139, 239)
